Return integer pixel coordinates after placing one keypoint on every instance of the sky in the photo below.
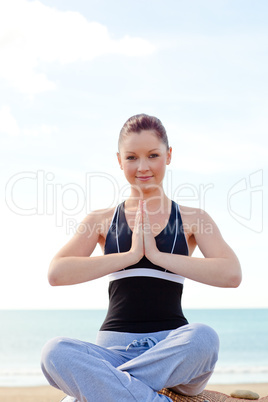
(71, 74)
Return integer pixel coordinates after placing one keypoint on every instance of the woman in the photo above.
(145, 343)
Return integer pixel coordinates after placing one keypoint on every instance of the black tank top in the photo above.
(145, 297)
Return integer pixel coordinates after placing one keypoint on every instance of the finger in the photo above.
(139, 212)
(138, 220)
(146, 221)
(137, 237)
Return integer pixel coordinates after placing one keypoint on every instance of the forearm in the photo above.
(73, 270)
(220, 272)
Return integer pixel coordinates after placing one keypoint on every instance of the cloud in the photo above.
(32, 34)
(206, 152)
(10, 127)
(8, 124)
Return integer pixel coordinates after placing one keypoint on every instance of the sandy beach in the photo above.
(49, 394)
(261, 388)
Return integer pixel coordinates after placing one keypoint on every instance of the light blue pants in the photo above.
(127, 367)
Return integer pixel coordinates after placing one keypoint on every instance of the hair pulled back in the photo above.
(140, 122)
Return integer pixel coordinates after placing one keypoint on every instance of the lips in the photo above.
(144, 178)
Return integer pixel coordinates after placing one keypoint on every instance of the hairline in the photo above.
(155, 132)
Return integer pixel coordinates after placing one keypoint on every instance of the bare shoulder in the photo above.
(197, 220)
(202, 230)
(192, 212)
(98, 221)
(90, 231)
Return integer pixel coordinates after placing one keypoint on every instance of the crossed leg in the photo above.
(184, 361)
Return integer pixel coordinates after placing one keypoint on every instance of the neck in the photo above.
(155, 199)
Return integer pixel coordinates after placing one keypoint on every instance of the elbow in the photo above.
(235, 277)
(53, 280)
(53, 276)
(235, 281)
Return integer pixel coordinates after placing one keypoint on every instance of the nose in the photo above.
(143, 165)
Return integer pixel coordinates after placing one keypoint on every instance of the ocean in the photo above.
(243, 337)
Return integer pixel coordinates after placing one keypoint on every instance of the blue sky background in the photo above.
(71, 73)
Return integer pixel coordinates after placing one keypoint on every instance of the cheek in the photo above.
(129, 169)
(161, 165)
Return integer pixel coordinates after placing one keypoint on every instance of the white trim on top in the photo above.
(116, 229)
(148, 272)
(115, 209)
(176, 233)
(183, 230)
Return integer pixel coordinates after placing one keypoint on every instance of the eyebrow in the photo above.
(151, 150)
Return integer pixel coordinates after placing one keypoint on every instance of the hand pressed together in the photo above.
(143, 241)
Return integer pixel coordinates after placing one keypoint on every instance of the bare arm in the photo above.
(74, 264)
(220, 267)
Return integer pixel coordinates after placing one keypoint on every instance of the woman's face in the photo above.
(143, 157)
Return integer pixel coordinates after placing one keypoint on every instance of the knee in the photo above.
(53, 353)
(206, 341)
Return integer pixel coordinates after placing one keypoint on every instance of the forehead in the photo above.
(145, 139)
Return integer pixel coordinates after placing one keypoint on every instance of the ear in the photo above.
(169, 155)
(119, 160)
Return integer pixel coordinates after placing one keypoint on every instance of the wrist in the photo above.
(133, 257)
(155, 257)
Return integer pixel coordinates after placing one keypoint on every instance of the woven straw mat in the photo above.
(210, 396)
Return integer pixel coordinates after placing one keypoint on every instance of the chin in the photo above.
(147, 188)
